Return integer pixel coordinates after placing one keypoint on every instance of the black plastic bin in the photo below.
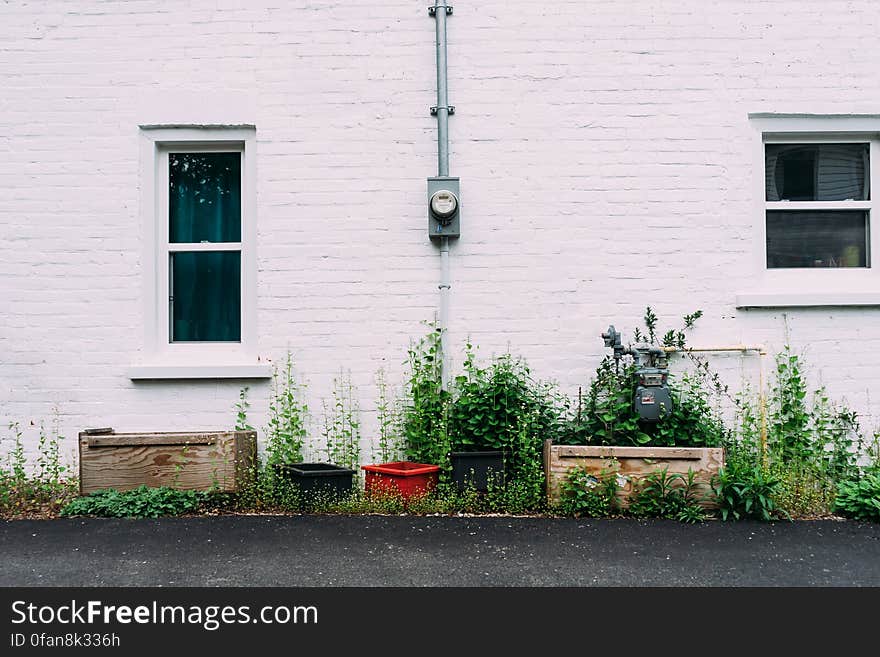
(318, 481)
(477, 469)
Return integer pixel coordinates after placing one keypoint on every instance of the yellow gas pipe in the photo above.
(762, 351)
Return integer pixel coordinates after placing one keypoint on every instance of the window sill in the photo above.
(165, 372)
(806, 299)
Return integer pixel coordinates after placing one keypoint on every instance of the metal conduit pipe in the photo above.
(443, 319)
(440, 10)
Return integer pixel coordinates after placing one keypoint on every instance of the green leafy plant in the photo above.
(341, 429)
(241, 411)
(872, 453)
(425, 404)
(692, 421)
(142, 502)
(264, 492)
(49, 467)
(803, 491)
(585, 494)
(39, 487)
(16, 460)
(287, 431)
(789, 433)
(501, 407)
(608, 416)
(388, 419)
(386, 503)
(488, 402)
(664, 495)
(745, 490)
(524, 486)
(448, 499)
(813, 443)
(744, 444)
(812, 430)
(808, 445)
(859, 497)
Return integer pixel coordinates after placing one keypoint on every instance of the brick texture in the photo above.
(603, 149)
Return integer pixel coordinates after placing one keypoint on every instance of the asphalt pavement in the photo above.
(416, 551)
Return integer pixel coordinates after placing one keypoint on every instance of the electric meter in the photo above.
(444, 207)
(444, 204)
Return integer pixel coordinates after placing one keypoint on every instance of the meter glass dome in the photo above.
(444, 203)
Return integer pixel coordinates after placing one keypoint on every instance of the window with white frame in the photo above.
(817, 202)
(198, 205)
(816, 177)
(202, 255)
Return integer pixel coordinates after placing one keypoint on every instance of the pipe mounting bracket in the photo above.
(450, 109)
(432, 11)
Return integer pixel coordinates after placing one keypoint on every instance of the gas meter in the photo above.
(652, 399)
(444, 207)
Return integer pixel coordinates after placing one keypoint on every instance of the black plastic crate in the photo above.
(477, 469)
(318, 481)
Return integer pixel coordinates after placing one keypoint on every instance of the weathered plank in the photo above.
(187, 460)
(139, 440)
(548, 444)
(603, 451)
(632, 463)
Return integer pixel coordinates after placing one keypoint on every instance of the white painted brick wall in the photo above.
(601, 147)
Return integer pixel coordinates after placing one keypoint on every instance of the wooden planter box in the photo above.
(195, 460)
(633, 463)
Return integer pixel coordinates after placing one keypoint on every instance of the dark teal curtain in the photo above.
(205, 206)
(206, 289)
(205, 197)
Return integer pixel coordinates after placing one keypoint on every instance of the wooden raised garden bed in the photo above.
(192, 460)
(633, 463)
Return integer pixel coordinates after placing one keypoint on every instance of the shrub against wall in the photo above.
(341, 425)
(287, 429)
(804, 463)
(859, 496)
(425, 405)
(806, 456)
(811, 445)
(497, 406)
(500, 406)
(790, 458)
(141, 502)
(40, 485)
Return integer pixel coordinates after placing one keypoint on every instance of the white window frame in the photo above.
(832, 286)
(161, 358)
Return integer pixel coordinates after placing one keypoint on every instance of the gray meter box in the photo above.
(444, 212)
(652, 402)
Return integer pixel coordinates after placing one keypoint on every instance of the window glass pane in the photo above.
(817, 239)
(817, 172)
(206, 296)
(204, 195)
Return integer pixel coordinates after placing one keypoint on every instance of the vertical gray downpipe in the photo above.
(443, 170)
(442, 93)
